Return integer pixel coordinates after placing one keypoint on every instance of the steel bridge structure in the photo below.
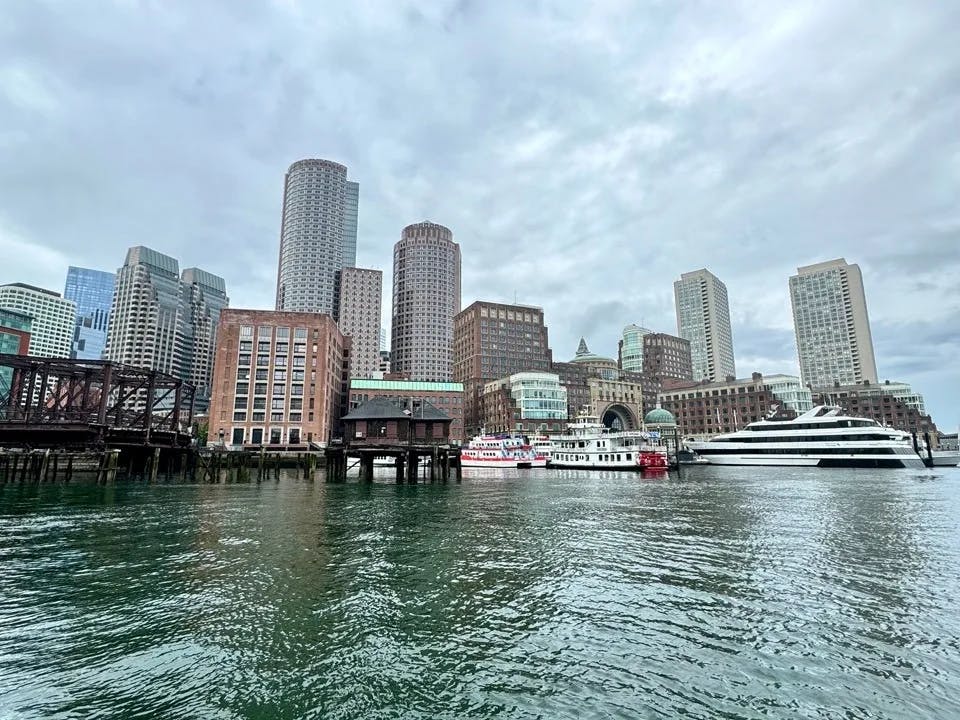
(61, 403)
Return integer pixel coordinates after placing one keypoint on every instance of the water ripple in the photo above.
(553, 594)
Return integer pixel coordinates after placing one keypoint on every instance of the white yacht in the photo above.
(819, 437)
(588, 443)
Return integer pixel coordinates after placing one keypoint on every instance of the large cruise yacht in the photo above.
(819, 437)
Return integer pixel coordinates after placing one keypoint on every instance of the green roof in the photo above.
(659, 416)
(367, 384)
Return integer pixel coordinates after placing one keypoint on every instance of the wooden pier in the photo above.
(414, 434)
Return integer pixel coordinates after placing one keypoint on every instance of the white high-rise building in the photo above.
(318, 235)
(703, 318)
(832, 328)
(54, 318)
(163, 322)
(426, 296)
(358, 315)
(631, 348)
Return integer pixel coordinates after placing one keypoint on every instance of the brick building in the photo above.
(527, 402)
(492, 341)
(278, 378)
(710, 408)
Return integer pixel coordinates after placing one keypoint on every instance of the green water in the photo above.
(728, 593)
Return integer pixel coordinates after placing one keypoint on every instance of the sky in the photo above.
(583, 154)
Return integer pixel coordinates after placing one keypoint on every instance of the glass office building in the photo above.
(92, 291)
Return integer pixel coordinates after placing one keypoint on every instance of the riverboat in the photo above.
(588, 443)
(542, 445)
(500, 451)
(821, 437)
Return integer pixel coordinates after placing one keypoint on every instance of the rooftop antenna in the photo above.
(514, 297)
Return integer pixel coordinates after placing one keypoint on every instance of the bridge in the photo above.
(67, 404)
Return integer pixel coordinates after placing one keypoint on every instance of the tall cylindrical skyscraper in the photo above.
(426, 296)
(318, 235)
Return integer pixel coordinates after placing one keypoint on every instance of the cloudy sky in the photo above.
(584, 154)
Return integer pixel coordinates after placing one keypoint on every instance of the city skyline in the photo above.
(709, 162)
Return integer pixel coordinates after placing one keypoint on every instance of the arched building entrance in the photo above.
(618, 416)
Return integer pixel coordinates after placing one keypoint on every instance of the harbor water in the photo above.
(719, 593)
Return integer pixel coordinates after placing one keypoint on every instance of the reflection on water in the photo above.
(536, 593)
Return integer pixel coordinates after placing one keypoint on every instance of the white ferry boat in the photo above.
(543, 445)
(500, 451)
(819, 437)
(588, 443)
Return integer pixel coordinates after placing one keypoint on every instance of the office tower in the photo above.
(492, 341)
(165, 322)
(92, 291)
(14, 340)
(831, 324)
(631, 348)
(278, 378)
(383, 339)
(703, 318)
(358, 315)
(351, 208)
(318, 235)
(426, 296)
(205, 297)
(53, 317)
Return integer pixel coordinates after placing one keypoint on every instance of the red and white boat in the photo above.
(500, 451)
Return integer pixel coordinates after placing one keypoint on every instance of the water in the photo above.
(730, 593)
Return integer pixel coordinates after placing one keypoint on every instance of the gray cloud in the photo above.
(583, 156)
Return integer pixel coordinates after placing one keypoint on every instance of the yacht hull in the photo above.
(861, 461)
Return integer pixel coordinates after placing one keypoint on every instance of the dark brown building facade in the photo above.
(666, 357)
(492, 341)
(446, 397)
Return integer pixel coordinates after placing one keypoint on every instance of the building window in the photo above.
(275, 435)
(239, 417)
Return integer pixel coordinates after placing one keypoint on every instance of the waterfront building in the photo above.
(278, 378)
(791, 392)
(318, 235)
(630, 350)
(889, 403)
(525, 402)
(14, 340)
(703, 318)
(445, 396)
(426, 296)
(164, 321)
(710, 408)
(92, 291)
(595, 384)
(494, 340)
(53, 318)
(830, 321)
(360, 294)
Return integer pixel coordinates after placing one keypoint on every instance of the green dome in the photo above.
(659, 416)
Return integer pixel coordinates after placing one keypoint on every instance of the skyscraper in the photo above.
(426, 296)
(703, 318)
(318, 235)
(92, 291)
(832, 328)
(51, 332)
(164, 322)
(631, 348)
(358, 315)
